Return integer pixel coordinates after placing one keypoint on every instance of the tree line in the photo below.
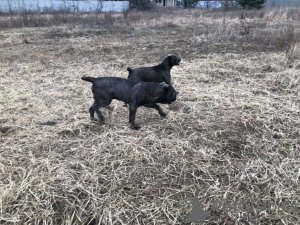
(226, 4)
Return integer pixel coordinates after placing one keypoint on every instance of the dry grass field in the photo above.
(232, 136)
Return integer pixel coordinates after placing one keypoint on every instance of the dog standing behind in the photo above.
(159, 73)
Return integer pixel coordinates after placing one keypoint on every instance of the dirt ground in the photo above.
(231, 137)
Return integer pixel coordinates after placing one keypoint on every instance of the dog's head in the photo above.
(169, 95)
(173, 60)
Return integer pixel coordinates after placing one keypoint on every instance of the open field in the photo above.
(232, 135)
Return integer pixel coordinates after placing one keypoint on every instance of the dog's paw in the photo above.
(135, 127)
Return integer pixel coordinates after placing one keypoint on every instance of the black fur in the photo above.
(159, 73)
(105, 89)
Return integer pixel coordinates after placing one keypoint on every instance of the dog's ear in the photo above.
(169, 56)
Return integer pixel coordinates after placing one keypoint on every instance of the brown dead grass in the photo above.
(232, 135)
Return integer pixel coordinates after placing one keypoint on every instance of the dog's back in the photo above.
(115, 87)
(147, 74)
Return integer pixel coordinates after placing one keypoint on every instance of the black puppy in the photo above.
(105, 89)
(159, 73)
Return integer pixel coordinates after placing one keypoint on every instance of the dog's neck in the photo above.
(165, 63)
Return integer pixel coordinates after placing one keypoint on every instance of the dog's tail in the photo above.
(89, 79)
(129, 69)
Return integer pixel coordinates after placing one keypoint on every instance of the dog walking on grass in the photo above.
(135, 93)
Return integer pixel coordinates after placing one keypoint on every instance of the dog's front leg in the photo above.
(132, 112)
(155, 106)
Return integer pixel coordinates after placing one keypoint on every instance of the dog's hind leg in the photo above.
(93, 108)
(155, 106)
(102, 101)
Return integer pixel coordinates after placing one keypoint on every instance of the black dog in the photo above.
(159, 73)
(105, 89)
